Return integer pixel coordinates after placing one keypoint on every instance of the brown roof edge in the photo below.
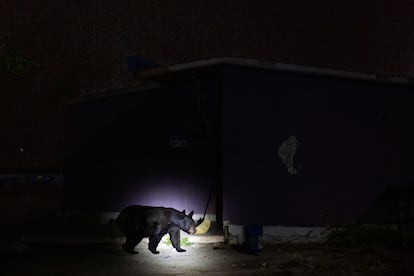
(155, 75)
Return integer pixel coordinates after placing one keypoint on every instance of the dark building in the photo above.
(282, 144)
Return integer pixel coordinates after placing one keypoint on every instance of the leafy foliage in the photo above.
(364, 236)
(183, 242)
(15, 63)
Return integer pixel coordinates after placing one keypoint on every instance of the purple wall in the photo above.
(117, 150)
(354, 138)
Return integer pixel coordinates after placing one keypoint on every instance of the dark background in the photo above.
(81, 49)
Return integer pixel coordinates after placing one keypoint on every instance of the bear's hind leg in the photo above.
(154, 240)
(130, 243)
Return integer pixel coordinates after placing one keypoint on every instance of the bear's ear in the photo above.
(191, 214)
(183, 211)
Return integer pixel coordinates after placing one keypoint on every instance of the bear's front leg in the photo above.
(154, 240)
(175, 239)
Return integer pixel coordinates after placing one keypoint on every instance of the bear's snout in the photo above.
(192, 230)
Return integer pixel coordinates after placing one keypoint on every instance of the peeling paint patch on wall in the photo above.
(287, 151)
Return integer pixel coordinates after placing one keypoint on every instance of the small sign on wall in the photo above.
(177, 142)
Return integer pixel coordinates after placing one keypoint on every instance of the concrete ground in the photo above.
(287, 259)
(70, 249)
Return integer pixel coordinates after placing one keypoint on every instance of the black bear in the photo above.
(137, 222)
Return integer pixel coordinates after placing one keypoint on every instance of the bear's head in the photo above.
(187, 223)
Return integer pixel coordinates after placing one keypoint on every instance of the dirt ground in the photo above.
(291, 259)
